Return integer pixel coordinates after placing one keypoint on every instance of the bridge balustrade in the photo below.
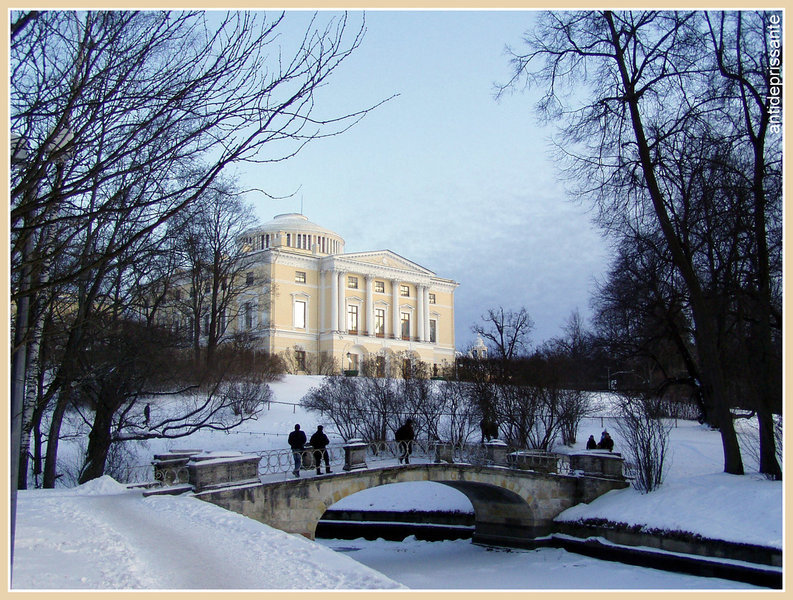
(385, 452)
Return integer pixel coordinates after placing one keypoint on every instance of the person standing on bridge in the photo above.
(297, 439)
(319, 442)
(404, 438)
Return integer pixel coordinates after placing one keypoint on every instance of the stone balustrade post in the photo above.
(355, 454)
(496, 452)
(598, 463)
(444, 452)
(171, 468)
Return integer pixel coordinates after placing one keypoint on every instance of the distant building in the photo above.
(479, 351)
(316, 302)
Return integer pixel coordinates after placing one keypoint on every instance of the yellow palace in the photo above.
(317, 302)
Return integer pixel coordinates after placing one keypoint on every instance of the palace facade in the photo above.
(312, 301)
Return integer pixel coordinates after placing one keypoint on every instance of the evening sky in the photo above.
(444, 174)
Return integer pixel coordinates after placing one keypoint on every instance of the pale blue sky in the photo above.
(444, 174)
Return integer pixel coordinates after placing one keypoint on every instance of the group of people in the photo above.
(319, 442)
(404, 437)
(605, 443)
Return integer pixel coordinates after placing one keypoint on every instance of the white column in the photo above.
(342, 308)
(369, 325)
(427, 313)
(321, 285)
(395, 308)
(334, 301)
(420, 312)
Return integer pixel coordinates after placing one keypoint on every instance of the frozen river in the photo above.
(462, 565)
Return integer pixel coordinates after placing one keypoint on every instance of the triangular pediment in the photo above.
(387, 258)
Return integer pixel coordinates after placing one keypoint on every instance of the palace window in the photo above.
(352, 319)
(432, 298)
(404, 290)
(249, 278)
(407, 368)
(380, 366)
(379, 322)
(248, 315)
(300, 276)
(300, 314)
(433, 331)
(300, 359)
(379, 287)
(405, 326)
(352, 282)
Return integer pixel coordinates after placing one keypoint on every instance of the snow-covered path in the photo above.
(185, 565)
(113, 538)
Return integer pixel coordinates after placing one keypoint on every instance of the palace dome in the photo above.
(294, 231)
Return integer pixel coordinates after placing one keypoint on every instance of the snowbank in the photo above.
(119, 540)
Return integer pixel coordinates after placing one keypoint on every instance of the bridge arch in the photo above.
(498, 511)
(510, 506)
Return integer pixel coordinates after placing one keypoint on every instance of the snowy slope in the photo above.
(102, 536)
(697, 496)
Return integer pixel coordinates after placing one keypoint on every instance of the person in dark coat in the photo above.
(489, 429)
(606, 443)
(404, 437)
(319, 441)
(591, 444)
(297, 439)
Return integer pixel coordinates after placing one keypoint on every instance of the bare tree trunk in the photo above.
(714, 391)
(53, 437)
(38, 457)
(29, 406)
(99, 441)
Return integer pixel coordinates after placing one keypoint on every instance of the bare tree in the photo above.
(215, 267)
(654, 118)
(646, 438)
(460, 417)
(340, 399)
(748, 53)
(507, 334)
(420, 399)
(127, 119)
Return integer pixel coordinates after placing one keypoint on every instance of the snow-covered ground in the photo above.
(104, 536)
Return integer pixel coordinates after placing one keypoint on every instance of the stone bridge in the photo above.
(510, 505)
